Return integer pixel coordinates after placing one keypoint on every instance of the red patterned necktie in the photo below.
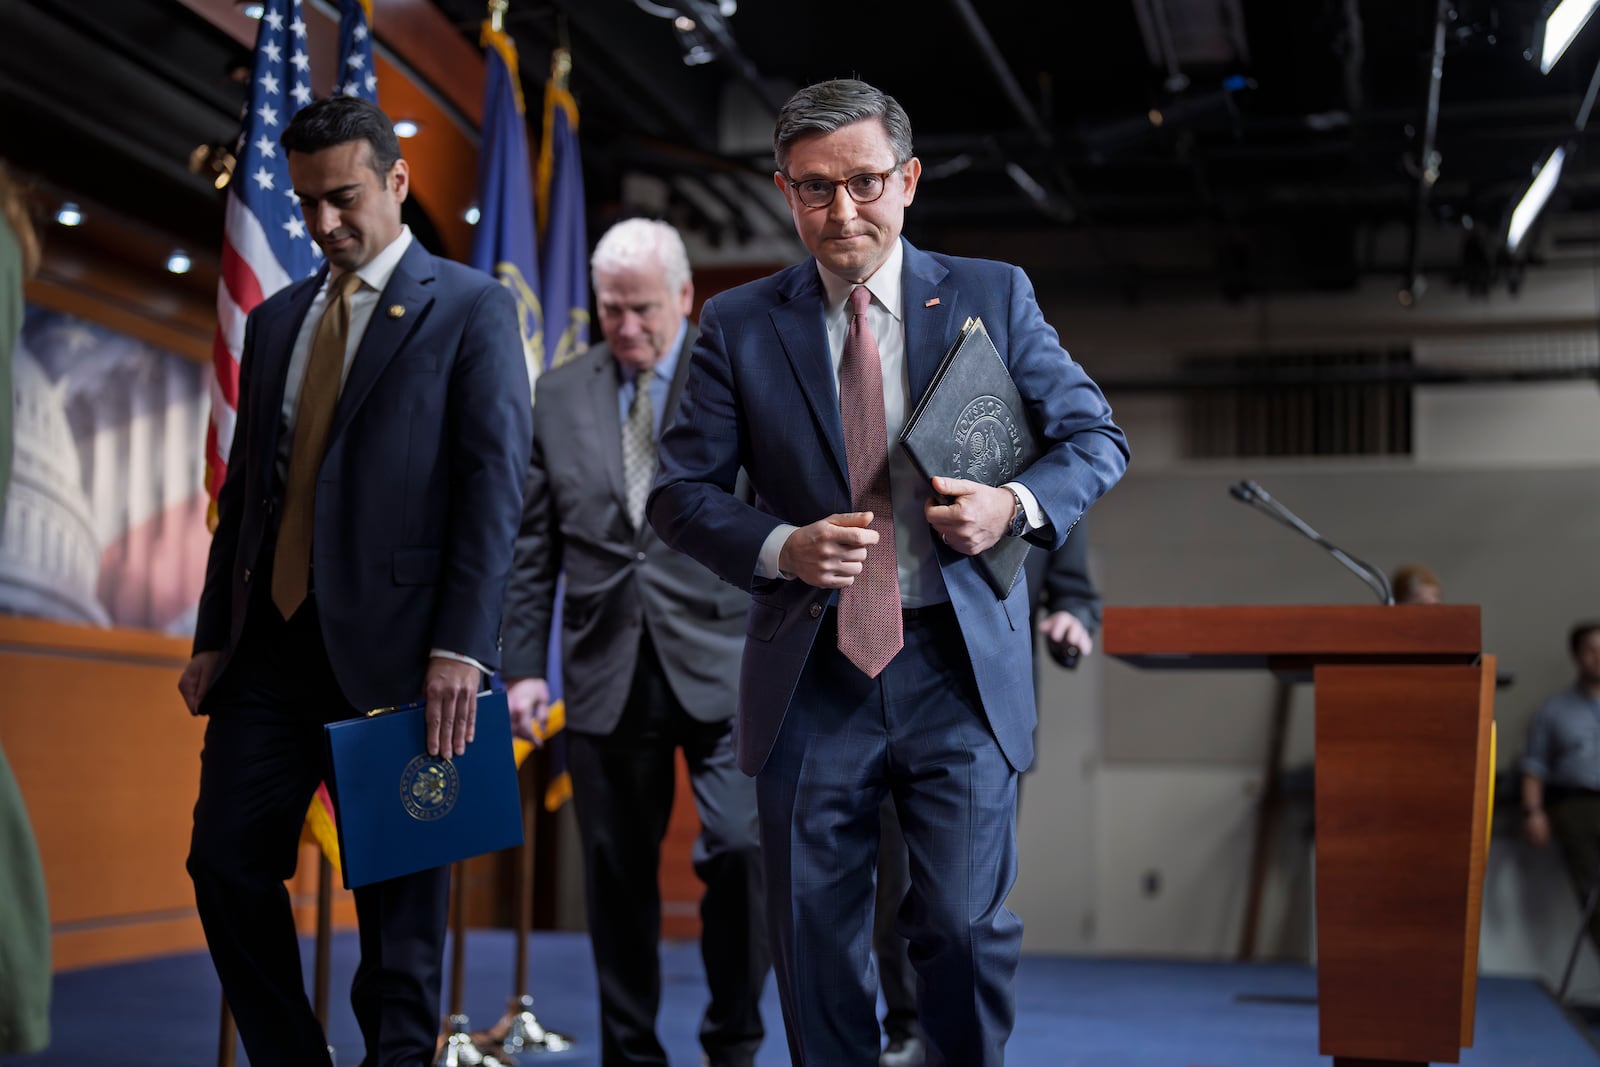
(869, 610)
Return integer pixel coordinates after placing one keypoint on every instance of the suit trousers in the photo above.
(264, 756)
(917, 734)
(622, 788)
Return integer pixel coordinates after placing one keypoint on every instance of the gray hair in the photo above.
(640, 244)
(832, 105)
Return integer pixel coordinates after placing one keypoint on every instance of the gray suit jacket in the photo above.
(618, 579)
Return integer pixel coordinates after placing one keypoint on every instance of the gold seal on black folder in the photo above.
(971, 424)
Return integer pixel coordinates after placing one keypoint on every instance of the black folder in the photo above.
(971, 424)
(401, 810)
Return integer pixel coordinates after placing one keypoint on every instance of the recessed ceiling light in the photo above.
(69, 215)
(406, 128)
(178, 262)
(472, 215)
(254, 11)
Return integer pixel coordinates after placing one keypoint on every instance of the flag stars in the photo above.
(266, 146)
(268, 113)
(263, 178)
(372, 82)
(295, 227)
(355, 61)
(298, 26)
(270, 84)
(272, 51)
(301, 61)
(360, 32)
(274, 19)
(301, 93)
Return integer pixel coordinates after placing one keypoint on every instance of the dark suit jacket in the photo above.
(1059, 581)
(617, 578)
(419, 491)
(761, 394)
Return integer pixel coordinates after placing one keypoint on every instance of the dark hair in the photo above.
(1579, 633)
(1406, 580)
(832, 105)
(336, 120)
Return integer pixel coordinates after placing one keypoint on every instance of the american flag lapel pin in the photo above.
(931, 303)
(397, 311)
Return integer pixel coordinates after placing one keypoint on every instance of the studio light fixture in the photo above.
(1561, 26)
(472, 215)
(69, 214)
(407, 128)
(1534, 200)
(253, 10)
(178, 262)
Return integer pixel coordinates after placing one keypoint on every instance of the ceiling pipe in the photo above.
(1427, 160)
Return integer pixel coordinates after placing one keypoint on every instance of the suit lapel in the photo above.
(929, 329)
(272, 350)
(410, 290)
(604, 416)
(799, 324)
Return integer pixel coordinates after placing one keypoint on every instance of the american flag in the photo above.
(357, 76)
(264, 242)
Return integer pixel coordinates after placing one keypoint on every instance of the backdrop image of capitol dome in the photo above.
(104, 519)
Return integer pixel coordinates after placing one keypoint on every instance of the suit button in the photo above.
(639, 557)
(816, 609)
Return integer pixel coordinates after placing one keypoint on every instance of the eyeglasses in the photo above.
(863, 188)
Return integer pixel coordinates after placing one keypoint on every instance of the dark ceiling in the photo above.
(1132, 147)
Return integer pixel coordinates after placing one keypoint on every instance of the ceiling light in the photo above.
(252, 10)
(407, 128)
(69, 215)
(178, 262)
(1533, 201)
(472, 215)
(1561, 26)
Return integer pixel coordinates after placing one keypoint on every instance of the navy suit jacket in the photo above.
(420, 489)
(762, 395)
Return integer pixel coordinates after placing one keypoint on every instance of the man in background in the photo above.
(1415, 584)
(1062, 592)
(360, 559)
(1561, 768)
(649, 643)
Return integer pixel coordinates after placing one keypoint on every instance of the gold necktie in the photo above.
(319, 393)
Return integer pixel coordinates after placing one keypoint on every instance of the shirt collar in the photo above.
(377, 271)
(884, 285)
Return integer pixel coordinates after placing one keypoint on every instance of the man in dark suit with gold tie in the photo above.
(650, 645)
(360, 559)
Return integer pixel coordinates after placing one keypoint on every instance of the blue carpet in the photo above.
(1071, 1012)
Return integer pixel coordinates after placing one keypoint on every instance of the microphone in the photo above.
(1251, 493)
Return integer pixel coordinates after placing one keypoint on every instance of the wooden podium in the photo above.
(1404, 702)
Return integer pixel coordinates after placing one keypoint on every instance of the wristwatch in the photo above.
(1019, 517)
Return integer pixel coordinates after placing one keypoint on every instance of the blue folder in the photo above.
(401, 810)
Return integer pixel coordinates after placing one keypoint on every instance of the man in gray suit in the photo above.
(650, 647)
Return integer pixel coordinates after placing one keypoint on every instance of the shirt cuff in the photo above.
(1030, 505)
(439, 653)
(771, 550)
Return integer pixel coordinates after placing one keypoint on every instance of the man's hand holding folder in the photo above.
(450, 695)
(974, 516)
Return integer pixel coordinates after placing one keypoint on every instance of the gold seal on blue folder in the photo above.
(401, 810)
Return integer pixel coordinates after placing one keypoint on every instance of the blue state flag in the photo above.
(504, 243)
(564, 247)
(357, 75)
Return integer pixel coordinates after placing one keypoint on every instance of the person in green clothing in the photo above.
(24, 915)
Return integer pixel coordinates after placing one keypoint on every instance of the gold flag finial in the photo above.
(497, 14)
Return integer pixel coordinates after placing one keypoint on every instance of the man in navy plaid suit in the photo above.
(878, 662)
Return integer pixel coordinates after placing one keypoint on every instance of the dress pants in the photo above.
(263, 758)
(622, 788)
(917, 734)
(895, 974)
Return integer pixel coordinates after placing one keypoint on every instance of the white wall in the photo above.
(1144, 772)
